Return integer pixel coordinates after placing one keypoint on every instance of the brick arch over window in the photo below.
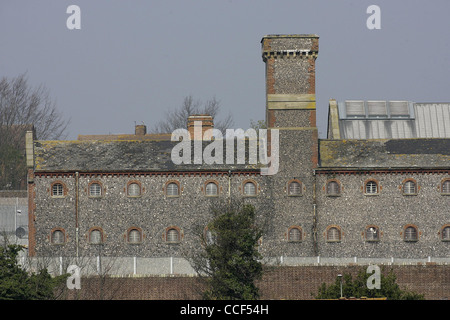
(371, 187)
(295, 188)
(410, 233)
(208, 237)
(58, 236)
(294, 234)
(444, 186)
(92, 190)
(409, 186)
(207, 191)
(372, 233)
(173, 234)
(333, 233)
(247, 190)
(169, 190)
(58, 189)
(91, 239)
(132, 237)
(333, 187)
(444, 233)
(131, 190)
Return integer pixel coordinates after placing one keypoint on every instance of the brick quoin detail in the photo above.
(312, 76)
(31, 214)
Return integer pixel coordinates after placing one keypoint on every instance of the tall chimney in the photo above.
(140, 130)
(203, 122)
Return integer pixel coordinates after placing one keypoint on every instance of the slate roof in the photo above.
(119, 156)
(385, 153)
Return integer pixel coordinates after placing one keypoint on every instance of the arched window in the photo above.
(57, 237)
(249, 189)
(333, 188)
(445, 188)
(295, 188)
(372, 233)
(95, 236)
(211, 189)
(445, 234)
(411, 234)
(295, 234)
(409, 187)
(371, 187)
(95, 190)
(172, 189)
(210, 237)
(172, 235)
(57, 190)
(333, 234)
(134, 189)
(134, 236)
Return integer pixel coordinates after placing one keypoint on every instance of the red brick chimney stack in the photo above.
(204, 121)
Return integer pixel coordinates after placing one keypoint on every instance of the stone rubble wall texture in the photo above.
(390, 210)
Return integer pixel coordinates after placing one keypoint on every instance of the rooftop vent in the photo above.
(399, 108)
(355, 108)
(377, 108)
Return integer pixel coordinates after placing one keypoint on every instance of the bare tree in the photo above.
(177, 118)
(21, 105)
(23, 108)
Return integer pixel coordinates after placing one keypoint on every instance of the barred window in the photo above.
(333, 234)
(446, 187)
(446, 234)
(95, 190)
(295, 188)
(409, 187)
(372, 234)
(134, 189)
(134, 236)
(333, 188)
(95, 237)
(295, 235)
(410, 234)
(57, 237)
(211, 189)
(172, 189)
(250, 189)
(371, 187)
(173, 235)
(57, 190)
(210, 237)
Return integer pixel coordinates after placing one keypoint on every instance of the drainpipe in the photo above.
(229, 186)
(315, 215)
(77, 177)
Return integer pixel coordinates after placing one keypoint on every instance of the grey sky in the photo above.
(132, 60)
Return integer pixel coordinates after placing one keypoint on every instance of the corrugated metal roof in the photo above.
(432, 120)
(393, 120)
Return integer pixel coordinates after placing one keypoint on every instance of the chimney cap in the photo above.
(140, 129)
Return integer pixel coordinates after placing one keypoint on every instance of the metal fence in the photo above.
(14, 219)
(161, 266)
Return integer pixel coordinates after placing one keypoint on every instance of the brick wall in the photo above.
(279, 283)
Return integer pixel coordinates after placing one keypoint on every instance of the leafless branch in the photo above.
(177, 118)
